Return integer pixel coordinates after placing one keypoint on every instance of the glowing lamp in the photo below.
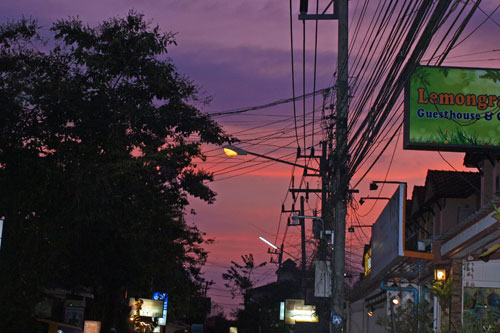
(268, 242)
(232, 151)
(440, 274)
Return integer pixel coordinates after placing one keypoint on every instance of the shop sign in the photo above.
(149, 308)
(452, 109)
(297, 311)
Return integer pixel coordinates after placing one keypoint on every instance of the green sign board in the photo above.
(454, 109)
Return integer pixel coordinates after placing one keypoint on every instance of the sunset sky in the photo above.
(239, 53)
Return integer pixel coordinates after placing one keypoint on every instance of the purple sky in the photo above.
(239, 52)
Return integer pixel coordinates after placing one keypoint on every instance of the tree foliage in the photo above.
(408, 319)
(99, 139)
(239, 276)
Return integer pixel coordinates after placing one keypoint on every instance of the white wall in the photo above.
(362, 323)
(481, 274)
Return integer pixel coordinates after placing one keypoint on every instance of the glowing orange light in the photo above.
(230, 152)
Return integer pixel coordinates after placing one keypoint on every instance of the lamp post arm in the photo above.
(282, 161)
(388, 182)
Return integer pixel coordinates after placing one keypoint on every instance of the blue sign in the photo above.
(336, 320)
(162, 297)
(157, 296)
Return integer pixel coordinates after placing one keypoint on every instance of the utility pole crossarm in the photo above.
(303, 16)
(307, 17)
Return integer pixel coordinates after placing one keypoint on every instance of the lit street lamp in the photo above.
(268, 242)
(232, 151)
(275, 247)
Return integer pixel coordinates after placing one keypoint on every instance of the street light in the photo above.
(268, 242)
(232, 151)
(374, 186)
(363, 199)
(280, 251)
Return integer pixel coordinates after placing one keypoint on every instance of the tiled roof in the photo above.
(452, 184)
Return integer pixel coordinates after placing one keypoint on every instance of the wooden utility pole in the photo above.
(341, 171)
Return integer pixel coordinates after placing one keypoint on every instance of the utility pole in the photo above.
(335, 187)
(341, 171)
(326, 167)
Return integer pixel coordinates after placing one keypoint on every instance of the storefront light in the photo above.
(370, 311)
(440, 274)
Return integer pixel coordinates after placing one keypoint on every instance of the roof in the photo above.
(418, 195)
(474, 159)
(288, 266)
(452, 184)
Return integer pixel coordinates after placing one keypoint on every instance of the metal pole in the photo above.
(393, 319)
(340, 169)
(281, 161)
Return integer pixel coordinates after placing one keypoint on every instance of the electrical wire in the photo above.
(293, 75)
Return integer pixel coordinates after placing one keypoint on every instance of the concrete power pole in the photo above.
(341, 177)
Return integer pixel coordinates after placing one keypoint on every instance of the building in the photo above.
(451, 225)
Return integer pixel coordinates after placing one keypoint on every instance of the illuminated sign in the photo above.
(454, 109)
(149, 308)
(91, 326)
(296, 310)
(233, 329)
(368, 262)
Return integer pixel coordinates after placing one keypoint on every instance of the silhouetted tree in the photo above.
(239, 277)
(99, 139)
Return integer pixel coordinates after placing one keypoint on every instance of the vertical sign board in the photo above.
(282, 310)
(368, 262)
(322, 278)
(157, 296)
(452, 109)
(387, 232)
